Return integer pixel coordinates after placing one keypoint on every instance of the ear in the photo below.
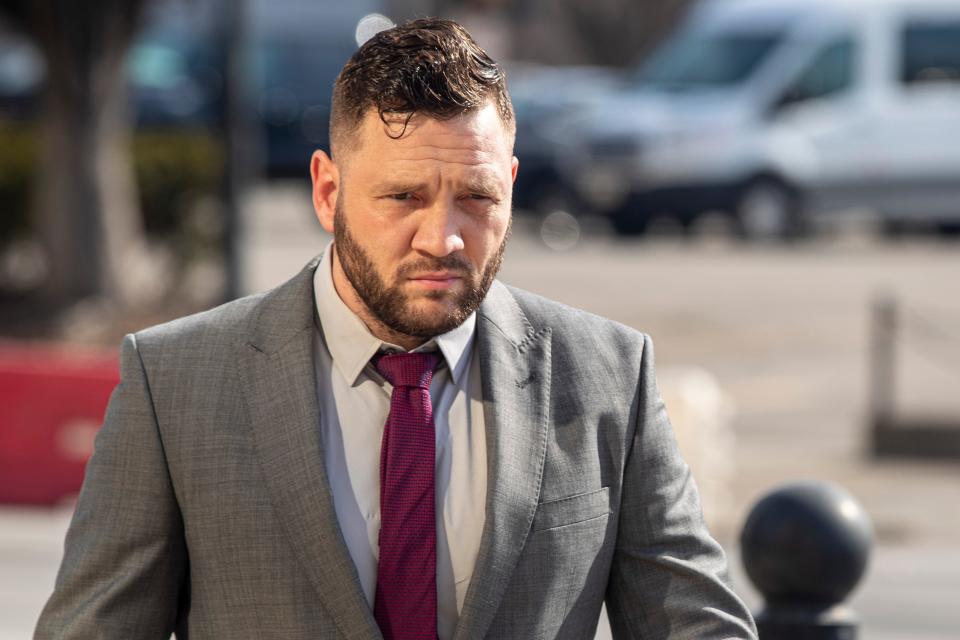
(326, 186)
(514, 165)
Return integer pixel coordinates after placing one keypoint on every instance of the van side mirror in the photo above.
(791, 96)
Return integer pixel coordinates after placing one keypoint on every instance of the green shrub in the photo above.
(18, 156)
(173, 169)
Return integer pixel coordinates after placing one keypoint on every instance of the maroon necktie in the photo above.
(406, 601)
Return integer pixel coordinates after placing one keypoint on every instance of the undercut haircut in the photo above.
(429, 66)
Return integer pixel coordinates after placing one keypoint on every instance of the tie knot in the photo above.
(408, 369)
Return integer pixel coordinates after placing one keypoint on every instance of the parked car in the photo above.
(20, 73)
(295, 54)
(543, 97)
(783, 114)
(175, 71)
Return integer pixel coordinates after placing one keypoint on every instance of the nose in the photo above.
(438, 233)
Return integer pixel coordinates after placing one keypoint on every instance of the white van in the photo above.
(783, 113)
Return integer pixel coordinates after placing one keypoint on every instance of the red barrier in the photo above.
(52, 401)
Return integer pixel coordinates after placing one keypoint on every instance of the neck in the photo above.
(349, 295)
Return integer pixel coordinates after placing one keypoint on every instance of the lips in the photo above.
(437, 275)
(437, 279)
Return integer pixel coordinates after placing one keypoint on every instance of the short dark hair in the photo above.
(430, 66)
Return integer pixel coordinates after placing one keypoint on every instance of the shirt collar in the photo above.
(350, 343)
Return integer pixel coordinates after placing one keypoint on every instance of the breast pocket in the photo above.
(571, 510)
(557, 586)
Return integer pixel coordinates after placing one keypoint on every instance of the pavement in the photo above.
(783, 331)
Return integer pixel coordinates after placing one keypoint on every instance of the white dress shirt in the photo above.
(354, 402)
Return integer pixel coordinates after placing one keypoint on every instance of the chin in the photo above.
(433, 306)
(432, 312)
(438, 295)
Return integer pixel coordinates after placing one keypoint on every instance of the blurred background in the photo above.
(770, 188)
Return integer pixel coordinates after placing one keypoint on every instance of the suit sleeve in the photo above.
(125, 561)
(668, 577)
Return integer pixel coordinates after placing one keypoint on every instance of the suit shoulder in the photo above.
(586, 347)
(224, 323)
(567, 321)
(274, 315)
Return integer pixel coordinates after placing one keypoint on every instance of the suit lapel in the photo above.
(515, 371)
(277, 371)
(278, 375)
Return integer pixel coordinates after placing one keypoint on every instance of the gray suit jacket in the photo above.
(206, 508)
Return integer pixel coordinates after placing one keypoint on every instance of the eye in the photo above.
(481, 197)
(406, 195)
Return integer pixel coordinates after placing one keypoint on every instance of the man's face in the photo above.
(419, 221)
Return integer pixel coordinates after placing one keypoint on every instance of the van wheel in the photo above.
(629, 221)
(949, 230)
(894, 229)
(768, 210)
(553, 199)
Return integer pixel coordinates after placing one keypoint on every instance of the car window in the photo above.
(306, 67)
(707, 60)
(21, 66)
(930, 52)
(157, 65)
(830, 72)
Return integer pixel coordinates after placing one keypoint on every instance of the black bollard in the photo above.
(805, 547)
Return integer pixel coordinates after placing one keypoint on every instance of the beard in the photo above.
(388, 302)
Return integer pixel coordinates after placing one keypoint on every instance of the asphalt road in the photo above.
(783, 331)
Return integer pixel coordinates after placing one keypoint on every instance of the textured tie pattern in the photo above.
(405, 606)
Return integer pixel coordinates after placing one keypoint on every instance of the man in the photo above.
(393, 443)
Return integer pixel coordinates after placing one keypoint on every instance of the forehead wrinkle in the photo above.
(473, 137)
(483, 181)
(473, 144)
(473, 177)
(439, 145)
(481, 178)
(443, 156)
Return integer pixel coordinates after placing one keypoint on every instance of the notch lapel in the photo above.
(279, 380)
(515, 372)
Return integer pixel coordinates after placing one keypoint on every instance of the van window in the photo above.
(830, 72)
(707, 60)
(931, 52)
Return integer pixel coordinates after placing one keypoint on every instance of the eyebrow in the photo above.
(397, 186)
(482, 183)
